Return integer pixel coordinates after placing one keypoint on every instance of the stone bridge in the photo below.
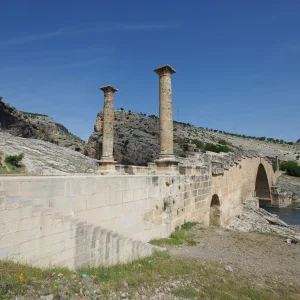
(90, 220)
(81, 220)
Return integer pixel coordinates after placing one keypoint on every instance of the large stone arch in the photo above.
(237, 184)
(215, 211)
(262, 186)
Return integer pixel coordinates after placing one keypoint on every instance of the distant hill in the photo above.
(136, 140)
(37, 126)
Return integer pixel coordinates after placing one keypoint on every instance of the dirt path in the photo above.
(260, 257)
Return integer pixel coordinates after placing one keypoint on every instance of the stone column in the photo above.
(107, 162)
(166, 162)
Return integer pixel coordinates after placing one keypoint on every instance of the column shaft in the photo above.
(166, 163)
(108, 126)
(107, 163)
(165, 116)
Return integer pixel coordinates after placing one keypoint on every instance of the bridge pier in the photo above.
(107, 162)
(166, 163)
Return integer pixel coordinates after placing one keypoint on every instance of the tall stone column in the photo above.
(107, 162)
(166, 162)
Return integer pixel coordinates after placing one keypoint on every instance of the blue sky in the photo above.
(237, 62)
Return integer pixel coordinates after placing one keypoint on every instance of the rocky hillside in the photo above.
(292, 185)
(37, 126)
(136, 140)
(44, 158)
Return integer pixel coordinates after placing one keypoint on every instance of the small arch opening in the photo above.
(215, 212)
(262, 188)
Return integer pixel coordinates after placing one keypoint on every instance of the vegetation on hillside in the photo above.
(32, 115)
(14, 160)
(223, 147)
(291, 167)
(11, 164)
(262, 138)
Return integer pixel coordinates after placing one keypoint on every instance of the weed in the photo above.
(177, 238)
(185, 292)
(188, 225)
(14, 160)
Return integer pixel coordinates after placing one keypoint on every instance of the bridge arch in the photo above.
(215, 211)
(262, 187)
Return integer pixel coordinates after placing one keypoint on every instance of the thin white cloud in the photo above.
(87, 28)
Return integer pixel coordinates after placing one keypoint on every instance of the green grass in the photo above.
(33, 279)
(185, 292)
(9, 165)
(188, 225)
(11, 170)
(178, 237)
(199, 279)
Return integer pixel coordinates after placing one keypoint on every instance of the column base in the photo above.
(107, 167)
(167, 166)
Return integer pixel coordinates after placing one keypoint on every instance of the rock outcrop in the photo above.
(253, 218)
(44, 158)
(291, 185)
(136, 140)
(37, 126)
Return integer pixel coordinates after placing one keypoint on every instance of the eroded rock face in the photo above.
(257, 219)
(29, 125)
(291, 185)
(44, 158)
(136, 140)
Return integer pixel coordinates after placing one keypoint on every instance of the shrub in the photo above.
(291, 167)
(185, 147)
(223, 142)
(32, 115)
(216, 148)
(198, 143)
(14, 159)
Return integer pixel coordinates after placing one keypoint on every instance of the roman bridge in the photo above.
(94, 219)
(109, 217)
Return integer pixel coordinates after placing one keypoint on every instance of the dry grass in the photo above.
(195, 279)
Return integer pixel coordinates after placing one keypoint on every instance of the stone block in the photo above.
(115, 197)
(128, 196)
(8, 215)
(29, 245)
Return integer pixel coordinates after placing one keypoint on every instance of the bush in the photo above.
(14, 160)
(198, 143)
(291, 167)
(223, 142)
(216, 148)
(185, 147)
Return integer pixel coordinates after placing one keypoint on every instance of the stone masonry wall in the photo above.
(91, 220)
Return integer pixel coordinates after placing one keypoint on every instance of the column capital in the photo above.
(164, 70)
(108, 89)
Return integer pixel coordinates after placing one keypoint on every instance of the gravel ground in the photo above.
(261, 257)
